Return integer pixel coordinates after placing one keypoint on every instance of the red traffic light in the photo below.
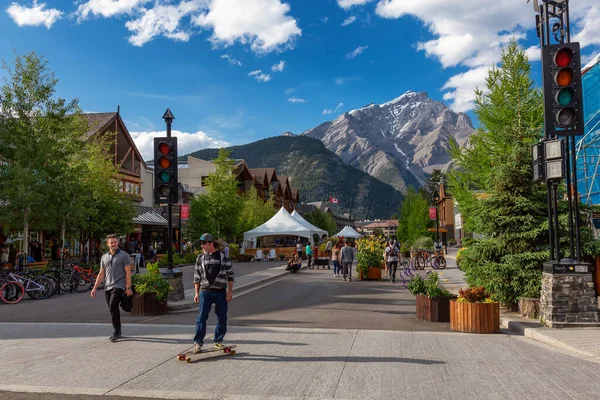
(563, 57)
(163, 148)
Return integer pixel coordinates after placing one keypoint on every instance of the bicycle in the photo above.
(425, 257)
(10, 292)
(37, 288)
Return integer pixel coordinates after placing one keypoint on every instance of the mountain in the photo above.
(318, 174)
(399, 142)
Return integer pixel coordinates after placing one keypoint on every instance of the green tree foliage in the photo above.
(254, 212)
(322, 220)
(414, 217)
(219, 209)
(432, 183)
(51, 174)
(493, 184)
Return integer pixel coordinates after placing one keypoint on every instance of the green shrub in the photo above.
(152, 282)
(234, 250)
(424, 243)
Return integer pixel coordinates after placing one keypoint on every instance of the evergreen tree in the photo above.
(414, 217)
(493, 184)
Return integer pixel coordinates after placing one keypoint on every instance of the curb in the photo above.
(237, 291)
(524, 329)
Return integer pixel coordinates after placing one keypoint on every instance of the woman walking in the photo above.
(335, 258)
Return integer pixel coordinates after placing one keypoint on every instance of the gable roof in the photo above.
(271, 174)
(97, 122)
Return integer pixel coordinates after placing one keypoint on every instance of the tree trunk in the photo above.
(62, 239)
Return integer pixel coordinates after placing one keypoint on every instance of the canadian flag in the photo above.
(333, 200)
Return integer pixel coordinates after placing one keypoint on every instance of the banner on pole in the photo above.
(185, 211)
(432, 213)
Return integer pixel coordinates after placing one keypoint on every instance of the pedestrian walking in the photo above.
(346, 258)
(213, 283)
(309, 253)
(335, 259)
(299, 249)
(391, 253)
(115, 267)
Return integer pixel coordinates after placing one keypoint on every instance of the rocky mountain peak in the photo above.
(400, 141)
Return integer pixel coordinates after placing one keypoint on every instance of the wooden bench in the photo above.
(41, 264)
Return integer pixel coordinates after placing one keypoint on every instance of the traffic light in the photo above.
(165, 170)
(563, 104)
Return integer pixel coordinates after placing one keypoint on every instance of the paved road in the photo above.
(80, 307)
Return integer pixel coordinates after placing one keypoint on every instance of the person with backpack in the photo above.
(213, 283)
(392, 252)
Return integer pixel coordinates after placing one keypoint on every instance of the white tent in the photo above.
(314, 229)
(348, 232)
(282, 223)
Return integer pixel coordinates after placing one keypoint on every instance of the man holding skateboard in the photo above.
(115, 266)
(213, 283)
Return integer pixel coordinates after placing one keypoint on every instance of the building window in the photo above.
(129, 187)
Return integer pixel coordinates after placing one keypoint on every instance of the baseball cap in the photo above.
(207, 237)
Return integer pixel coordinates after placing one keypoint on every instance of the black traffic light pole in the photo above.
(552, 21)
(168, 117)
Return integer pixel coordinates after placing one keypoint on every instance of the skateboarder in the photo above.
(116, 267)
(213, 283)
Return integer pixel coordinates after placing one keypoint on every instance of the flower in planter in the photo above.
(474, 295)
(429, 286)
(152, 282)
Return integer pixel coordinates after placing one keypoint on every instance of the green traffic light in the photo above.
(164, 176)
(565, 96)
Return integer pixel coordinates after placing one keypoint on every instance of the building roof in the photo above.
(97, 122)
(271, 174)
(389, 223)
(148, 216)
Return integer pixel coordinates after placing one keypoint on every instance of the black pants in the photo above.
(392, 267)
(309, 256)
(113, 300)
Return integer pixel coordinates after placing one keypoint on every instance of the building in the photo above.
(389, 227)
(341, 219)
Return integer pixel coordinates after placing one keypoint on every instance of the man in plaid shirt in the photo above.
(213, 283)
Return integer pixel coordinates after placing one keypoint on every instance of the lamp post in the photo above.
(436, 200)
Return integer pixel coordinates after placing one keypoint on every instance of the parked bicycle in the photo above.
(37, 288)
(426, 257)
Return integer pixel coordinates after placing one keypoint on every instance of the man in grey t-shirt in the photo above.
(115, 266)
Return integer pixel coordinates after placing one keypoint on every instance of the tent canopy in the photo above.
(348, 232)
(304, 222)
(282, 223)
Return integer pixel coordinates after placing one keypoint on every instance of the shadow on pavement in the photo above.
(344, 359)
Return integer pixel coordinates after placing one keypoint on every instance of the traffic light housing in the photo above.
(165, 170)
(563, 100)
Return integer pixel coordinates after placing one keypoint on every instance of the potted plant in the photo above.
(151, 292)
(433, 300)
(475, 312)
(405, 250)
(281, 256)
(369, 258)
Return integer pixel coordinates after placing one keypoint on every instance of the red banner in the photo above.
(185, 211)
(432, 213)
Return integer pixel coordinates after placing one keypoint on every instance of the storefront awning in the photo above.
(148, 216)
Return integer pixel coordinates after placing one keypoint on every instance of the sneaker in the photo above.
(219, 345)
(349, 279)
(197, 348)
(115, 336)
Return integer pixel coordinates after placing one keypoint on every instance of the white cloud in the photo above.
(263, 24)
(357, 51)
(345, 4)
(278, 67)
(161, 20)
(349, 20)
(231, 60)
(336, 109)
(259, 76)
(324, 20)
(471, 35)
(186, 142)
(295, 100)
(533, 53)
(345, 79)
(36, 15)
(107, 8)
(289, 91)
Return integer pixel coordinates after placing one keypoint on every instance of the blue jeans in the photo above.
(336, 267)
(206, 301)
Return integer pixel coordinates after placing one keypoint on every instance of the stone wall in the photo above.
(568, 298)
(178, 291)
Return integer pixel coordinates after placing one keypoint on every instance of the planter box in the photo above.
(434, 310)
(374, 273)
(474, 317)
(147, 304)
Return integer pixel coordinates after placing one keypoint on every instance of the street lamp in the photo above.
(436, 199)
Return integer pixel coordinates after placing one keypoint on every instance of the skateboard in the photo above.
(189, 357)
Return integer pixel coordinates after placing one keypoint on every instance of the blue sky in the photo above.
(236, 71)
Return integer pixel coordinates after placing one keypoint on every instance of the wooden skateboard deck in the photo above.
(191, 356)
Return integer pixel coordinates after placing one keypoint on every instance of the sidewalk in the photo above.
(583, 341)
(243, 284)
(287, 363)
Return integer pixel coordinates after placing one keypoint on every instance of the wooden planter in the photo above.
(434, 310)
(474, 317)
(147, 304)
(374, 273)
